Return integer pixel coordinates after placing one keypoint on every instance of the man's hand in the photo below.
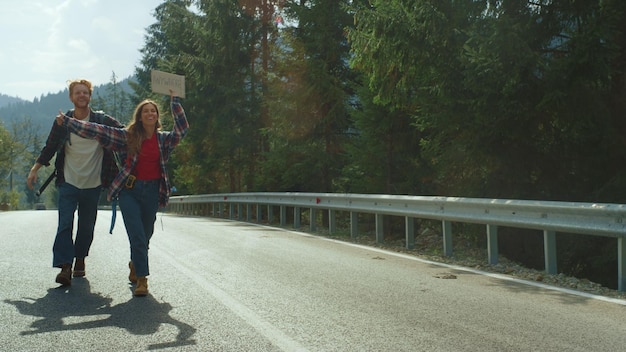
(32, 178)
(60, 118)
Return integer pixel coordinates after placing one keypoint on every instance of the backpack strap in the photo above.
(114, 209)
(97, 116)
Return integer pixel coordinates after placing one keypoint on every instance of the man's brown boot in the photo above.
(132, 277)
(79, 267)
(65, 276)
(142, 286)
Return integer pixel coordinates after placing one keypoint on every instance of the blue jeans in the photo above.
(139, 206)
(70, 198)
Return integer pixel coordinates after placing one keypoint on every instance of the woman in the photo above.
(142, 185)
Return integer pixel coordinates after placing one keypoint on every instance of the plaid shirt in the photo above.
(115, 139)
(57, 139)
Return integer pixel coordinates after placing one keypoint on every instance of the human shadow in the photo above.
(138, 316)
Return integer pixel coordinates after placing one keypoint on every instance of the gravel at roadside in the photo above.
(429, 246)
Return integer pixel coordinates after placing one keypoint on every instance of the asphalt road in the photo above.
(218, 285)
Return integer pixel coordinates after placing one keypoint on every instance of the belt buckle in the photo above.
(130, 181)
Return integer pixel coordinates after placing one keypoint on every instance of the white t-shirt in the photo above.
(83, 162)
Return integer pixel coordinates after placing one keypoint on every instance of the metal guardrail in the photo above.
(607, 220)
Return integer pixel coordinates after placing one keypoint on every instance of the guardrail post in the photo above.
(549, 250)
(331, 221)
(354, 224)
(231, 210)
(621, 264)
(492, 244)
(379, 228)
(270, 213)
(248, 212)
(259, 213)
(312, 219)
(296, 217)
(283, 215)
(409, 232)
(239, 211)
(446, 227)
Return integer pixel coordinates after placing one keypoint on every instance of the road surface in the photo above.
(220, 285)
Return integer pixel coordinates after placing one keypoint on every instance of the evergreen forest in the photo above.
(500, 99)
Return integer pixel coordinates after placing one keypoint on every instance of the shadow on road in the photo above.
(62, 305)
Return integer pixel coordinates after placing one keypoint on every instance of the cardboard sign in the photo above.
(162, 82)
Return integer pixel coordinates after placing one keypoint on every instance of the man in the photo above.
(83, 168)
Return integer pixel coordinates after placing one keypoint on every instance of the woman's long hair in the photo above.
(136, 131)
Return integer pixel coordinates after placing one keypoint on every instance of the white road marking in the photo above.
(273, 334)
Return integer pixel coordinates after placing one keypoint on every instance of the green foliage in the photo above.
(513, 99)
(226, 51)
(6, 100)
(14, 153)
(220, 62)
(6, 145)
(115, 100)
(384, 152)
(308, 91)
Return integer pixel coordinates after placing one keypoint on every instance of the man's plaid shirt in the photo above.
(57, 138)
(115, 139)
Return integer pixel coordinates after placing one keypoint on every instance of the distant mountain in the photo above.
(6, 100)
(41, 111)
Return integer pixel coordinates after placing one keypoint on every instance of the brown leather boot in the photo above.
(79, 267)
(142, 286)
(65, 276)
(132, 277)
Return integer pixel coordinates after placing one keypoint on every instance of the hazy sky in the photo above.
(45, 43)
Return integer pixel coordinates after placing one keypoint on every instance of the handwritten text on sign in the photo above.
(162, 82)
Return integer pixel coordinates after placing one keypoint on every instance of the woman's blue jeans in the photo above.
(139, 206)
(65, 249)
